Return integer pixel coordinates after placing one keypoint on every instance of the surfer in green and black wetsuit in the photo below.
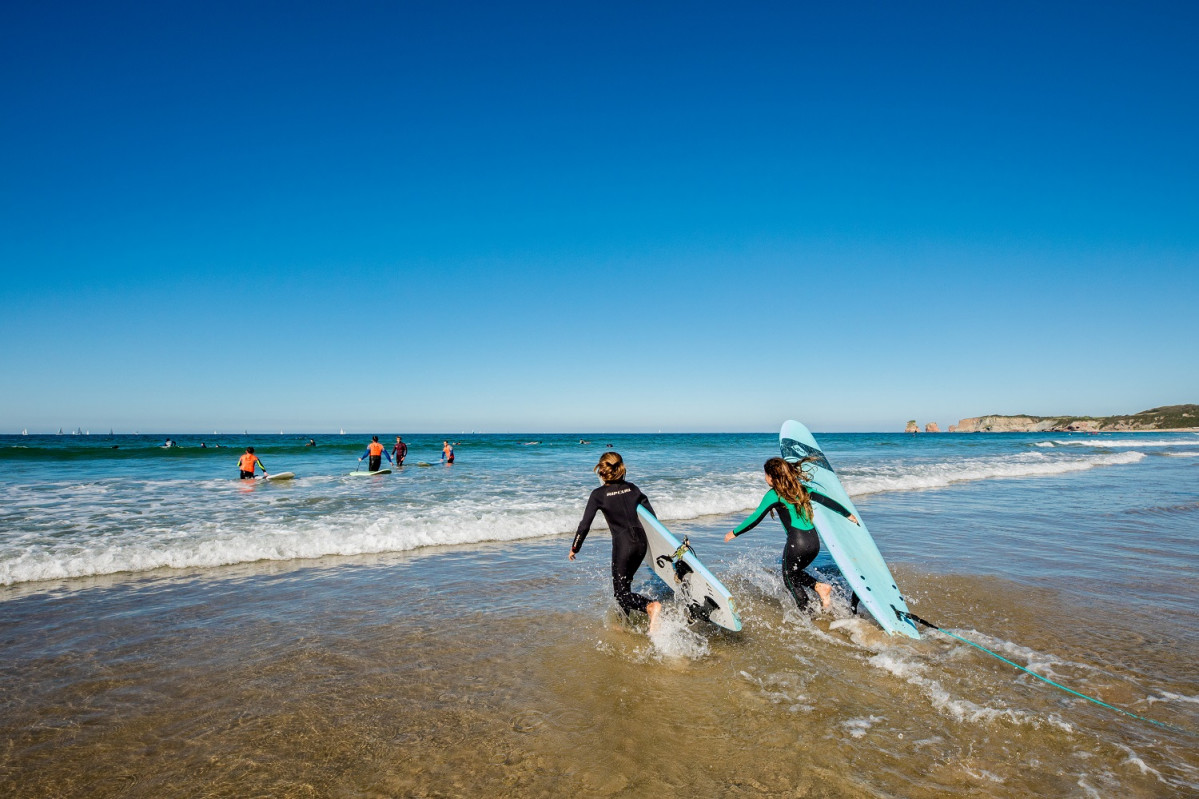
(793, 501)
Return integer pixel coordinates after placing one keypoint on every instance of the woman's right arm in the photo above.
(758, 515)
(585, 524)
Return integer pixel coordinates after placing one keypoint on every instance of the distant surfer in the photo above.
(447, 452)
(375, 452)
(793, 500)
(618, 499)
(247, 462)
(400, 451)
(311, 443)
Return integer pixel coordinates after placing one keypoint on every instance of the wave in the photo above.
(123, 527)
(99, 527)
(876, 480)
(1113, 443)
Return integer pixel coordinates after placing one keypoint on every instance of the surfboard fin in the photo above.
(703, 612)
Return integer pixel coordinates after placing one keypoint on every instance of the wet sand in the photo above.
(443, 674)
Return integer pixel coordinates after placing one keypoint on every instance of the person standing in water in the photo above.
(247, 463)
(400, 451)
(793, 501)
(375, 451)
(618, 500)
(447, 452)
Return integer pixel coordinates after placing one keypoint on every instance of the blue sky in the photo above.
(615, 217)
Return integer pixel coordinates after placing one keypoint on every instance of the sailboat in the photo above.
(24, 432)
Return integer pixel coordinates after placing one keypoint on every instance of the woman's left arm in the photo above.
(832, 505)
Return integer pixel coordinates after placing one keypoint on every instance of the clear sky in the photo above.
(594, 217)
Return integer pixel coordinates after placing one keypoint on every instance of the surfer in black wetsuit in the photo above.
(618, 499)
(792, 500)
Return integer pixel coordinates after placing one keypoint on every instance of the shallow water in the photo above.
(499, 667)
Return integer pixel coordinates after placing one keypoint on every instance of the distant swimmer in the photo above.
(793, 500)
(203, 445)
(311, 443)
(447, 452)
(168, 444)
(618, 500)
(400, 451)
(247, 462)
(375, 451)
(581, 441)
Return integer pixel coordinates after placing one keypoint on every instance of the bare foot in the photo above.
(825, 591)
(654, 609)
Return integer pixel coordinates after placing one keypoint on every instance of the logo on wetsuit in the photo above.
(799, 451)
(618, 493)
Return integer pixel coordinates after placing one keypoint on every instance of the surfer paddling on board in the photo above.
(618, 499)
(247, 462)
(375, 451)
(793, 500)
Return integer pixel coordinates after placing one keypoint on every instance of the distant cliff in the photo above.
(1165, 418)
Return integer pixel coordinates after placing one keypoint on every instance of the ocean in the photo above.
(170, 630)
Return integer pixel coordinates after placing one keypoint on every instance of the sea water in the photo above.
(166, 626)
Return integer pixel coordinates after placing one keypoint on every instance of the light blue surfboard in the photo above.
(703, 595)
(850, 544)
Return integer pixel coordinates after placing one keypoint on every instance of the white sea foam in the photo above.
(1134, 759)
(56, 530)
(1043, 444)
(88, 529)
(1130, 443)
(674, 640)
(857, 728)
(961, 710)
(903, 477)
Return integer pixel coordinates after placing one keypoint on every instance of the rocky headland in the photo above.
(1168, 417)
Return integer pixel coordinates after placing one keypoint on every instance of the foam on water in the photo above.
(128, 514)
(910, 477)
(1137, 443)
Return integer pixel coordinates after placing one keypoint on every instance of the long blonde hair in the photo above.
(610, 467)
(788, 481)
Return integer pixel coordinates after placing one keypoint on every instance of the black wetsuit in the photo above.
(619, 500)
(803, 544)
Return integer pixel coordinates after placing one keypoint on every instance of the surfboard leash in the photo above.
(1164, 725)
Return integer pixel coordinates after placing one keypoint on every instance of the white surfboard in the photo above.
(281, 476)
(360, 473)
(679, 568)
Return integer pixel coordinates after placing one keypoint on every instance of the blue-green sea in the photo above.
(170, 629)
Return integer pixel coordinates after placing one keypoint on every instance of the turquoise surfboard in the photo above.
(850, 544)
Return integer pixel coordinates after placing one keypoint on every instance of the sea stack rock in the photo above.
(953, 428)
(931, 427)
(912, 427)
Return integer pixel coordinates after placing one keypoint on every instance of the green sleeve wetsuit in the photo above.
(802, 542)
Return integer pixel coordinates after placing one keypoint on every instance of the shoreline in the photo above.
(387, 678)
